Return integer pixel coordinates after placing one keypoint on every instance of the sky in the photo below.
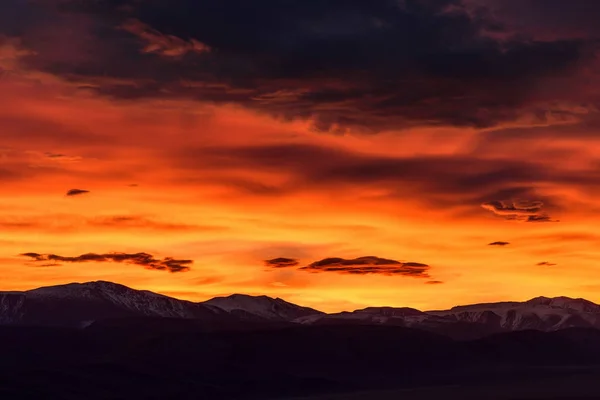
(335, 153)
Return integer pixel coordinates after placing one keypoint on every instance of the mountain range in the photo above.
(100, 340)
(83, 304)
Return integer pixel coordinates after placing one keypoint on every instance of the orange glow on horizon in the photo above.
(168, 178)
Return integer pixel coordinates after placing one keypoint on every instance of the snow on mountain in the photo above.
(140, 302)
(541, 313)
(406, 317)
(78, 304)
(376, 315)
(566, 303)
(11, 307)
(273, 309)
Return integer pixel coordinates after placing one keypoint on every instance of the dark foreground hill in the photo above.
(100, 340)
(175, 361)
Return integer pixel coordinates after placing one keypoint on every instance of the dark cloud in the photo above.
(164, 45)
(540, 218)
(514, 208)
(344, 63)
(442, 181)
(545, 264)
(434, 282)
(369, 265)
(77, 192)
(36, 256)
(499, 244)
(55, 155)
(59, 157)
(518, 210)
(281, 262)
(143, 259)
(575, 18)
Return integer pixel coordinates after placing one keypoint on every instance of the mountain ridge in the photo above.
(80, 304)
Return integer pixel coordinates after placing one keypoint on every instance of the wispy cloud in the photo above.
(518, 210)
(142, 259)
(143, 222)
(501, 244)
(163, 44)
(545, 264)
(62, 158)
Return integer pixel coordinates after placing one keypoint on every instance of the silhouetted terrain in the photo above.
(104, 341)
(184, 362)
(556, 385)
(80, 304)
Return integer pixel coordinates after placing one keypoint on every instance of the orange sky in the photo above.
(229, 187)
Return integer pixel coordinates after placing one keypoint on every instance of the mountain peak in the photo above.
(89, 284)
(563, 302)
(78, 304)
(84, 289)
(262, 306)
(557, 298)
(247, 297)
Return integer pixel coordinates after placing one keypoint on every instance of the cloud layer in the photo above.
(442, 62)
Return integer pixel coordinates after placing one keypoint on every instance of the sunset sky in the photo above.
(268, 146)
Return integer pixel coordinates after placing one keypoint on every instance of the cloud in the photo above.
(77, 192)
(281, 262)
(540, 218)
(443, 182)
(421, 62)
(545, 264)
(514, 208)
(434, 282)
(36, 256)
(369, 265)
(518, 210)
(63, 223)
(62, 158)
(11, 51)
(574, 19)
(499, 244)
(143, 259)
(143, 222)
(165, 45)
